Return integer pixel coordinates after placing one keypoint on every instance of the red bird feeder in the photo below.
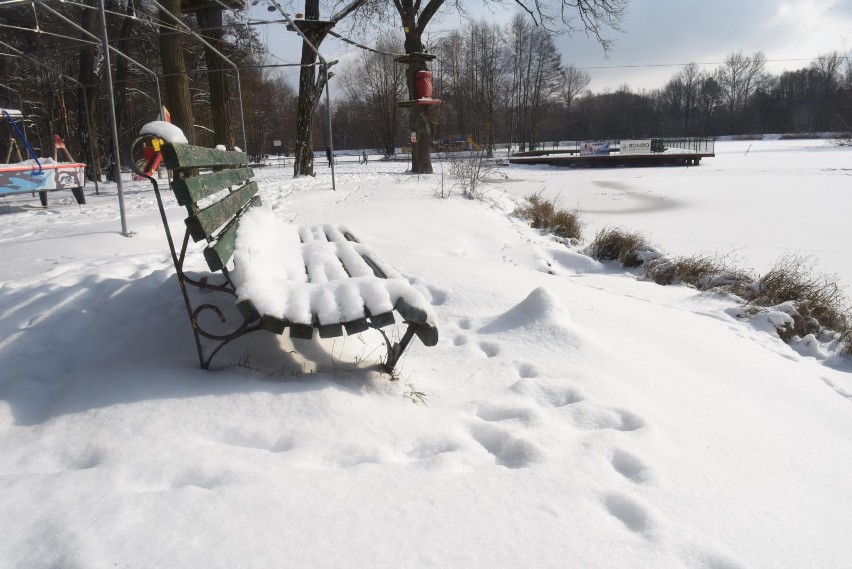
(424, 89)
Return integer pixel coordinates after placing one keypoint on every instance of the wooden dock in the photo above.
(567, 159)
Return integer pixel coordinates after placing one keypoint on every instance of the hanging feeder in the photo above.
(423, 81)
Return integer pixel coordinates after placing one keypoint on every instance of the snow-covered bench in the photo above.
(283, 277)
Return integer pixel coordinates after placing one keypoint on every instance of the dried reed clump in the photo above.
(628, 248)
(704, 272)
(818, 300)
(814, 301)
(545, 214)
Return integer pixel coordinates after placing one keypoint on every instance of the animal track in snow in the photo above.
(490, 349)
(630, 466)
(508, 450)
(597, 418)
(464, 324)
(427, 448)
(526, 371)
(548, 393)
(438, 296)
(496, 413)
(460, 340)
(629, 512)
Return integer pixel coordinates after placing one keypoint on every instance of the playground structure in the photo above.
(39, 175)
(684, 151)
(455, 143)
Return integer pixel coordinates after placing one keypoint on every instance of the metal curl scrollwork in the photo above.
(246, 324)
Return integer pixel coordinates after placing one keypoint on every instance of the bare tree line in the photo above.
(509, 84)
(498, 83)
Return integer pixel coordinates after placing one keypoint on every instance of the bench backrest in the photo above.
(220, 179)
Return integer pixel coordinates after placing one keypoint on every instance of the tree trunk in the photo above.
(122, 69)
(309, 93)
(210, 19)
(174, 67)
(418, 116)
(89, 138)
(303, 161)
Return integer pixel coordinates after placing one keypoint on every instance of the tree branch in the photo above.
(348, 9)
(428, 12)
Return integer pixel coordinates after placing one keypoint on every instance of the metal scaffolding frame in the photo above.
(103, 40)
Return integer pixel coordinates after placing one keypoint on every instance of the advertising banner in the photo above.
(635, 146)
(594, 149)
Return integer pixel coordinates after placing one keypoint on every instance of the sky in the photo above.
(658, 36)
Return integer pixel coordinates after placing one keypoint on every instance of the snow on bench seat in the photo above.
(317, 275)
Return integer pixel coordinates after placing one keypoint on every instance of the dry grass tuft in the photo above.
(544, 214)
(629, 249)
(704, 272)
(818, 300)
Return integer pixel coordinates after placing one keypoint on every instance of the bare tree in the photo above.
(739, 77)
(376, 83)
(574, 81)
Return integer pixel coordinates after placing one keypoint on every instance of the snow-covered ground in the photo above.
(574, 416)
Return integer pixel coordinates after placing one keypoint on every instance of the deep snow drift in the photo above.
(574, 415)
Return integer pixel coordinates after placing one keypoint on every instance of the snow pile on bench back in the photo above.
(167, 131)
(293, 272)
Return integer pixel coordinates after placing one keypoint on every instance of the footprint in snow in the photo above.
(548, 393)
(490, 349)
(630, 466)
(464, 324)
(589, 417)
(460, 340)
(635, 516)
(497, 413)
(527, 370)
(507, 449)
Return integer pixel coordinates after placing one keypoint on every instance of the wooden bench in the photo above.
(282, 277)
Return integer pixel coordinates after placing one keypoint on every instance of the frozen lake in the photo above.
(756, 200)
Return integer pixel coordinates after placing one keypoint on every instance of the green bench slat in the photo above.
(183, 156)
(205, 222)
(220, 252)
(190, 190)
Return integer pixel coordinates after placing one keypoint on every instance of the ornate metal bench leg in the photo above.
(396, 350)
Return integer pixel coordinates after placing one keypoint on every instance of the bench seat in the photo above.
(319, 277)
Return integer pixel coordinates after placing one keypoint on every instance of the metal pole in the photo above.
(242, 113)
(328, 112)
(325, 67)
(112, 120)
